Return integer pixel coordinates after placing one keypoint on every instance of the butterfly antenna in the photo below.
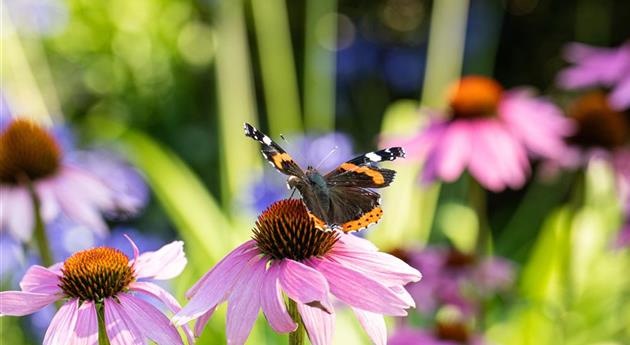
(292, 192)
(334, 149)
(297, 154)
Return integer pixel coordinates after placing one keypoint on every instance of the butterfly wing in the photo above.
(273, 153)
(362, 171)
(354, 208)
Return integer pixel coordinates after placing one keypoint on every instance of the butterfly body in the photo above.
(341, 198)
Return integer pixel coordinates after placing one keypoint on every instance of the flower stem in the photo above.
(296, 337)
(39, 231)
(477, 200)
(102, 334)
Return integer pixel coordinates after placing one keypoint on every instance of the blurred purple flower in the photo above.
(623, 238)
(307, 150)
(489, 132)
(445, 334)
(454, 278)
(65, 182)
(594, 66)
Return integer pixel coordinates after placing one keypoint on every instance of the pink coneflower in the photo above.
(289, 254)
(457, 279)
(599, 67)
(31, 159)
(102, 282)
(445, 333)
(490, 132)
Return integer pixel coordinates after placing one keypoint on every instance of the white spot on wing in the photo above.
(373, 157)
(266, 140)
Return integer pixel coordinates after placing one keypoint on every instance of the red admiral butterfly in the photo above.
(339, 199)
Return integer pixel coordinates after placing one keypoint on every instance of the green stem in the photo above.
(102, 333)
(477, 200)
(39, 230)
(296, 337)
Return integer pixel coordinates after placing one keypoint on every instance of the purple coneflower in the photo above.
(490, 132)
(100, 290)
(599, 67)
(33, 166)
(445, 333)
(289, 254)
(458, 279)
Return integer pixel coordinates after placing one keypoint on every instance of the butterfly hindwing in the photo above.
(354, 208)
(273, 153)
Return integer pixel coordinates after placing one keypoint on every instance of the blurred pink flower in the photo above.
(623, 238)
(594, 66)
(102, 277)
(489, 132)
(290, 254)
(457, 279)
(29, 154)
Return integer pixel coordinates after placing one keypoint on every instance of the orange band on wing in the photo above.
(376, 176)
(320, 224)
(372, 217)
(279, 158)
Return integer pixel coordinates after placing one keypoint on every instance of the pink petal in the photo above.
(60, 329)
(454, 151)
(120, 328)
(165, 263)
(20, 216)
(20, 303)
(229, 260)
(202, 321)
(357, 290)
(383, 267)
(151, 322)
(78, 209)
(243, 304)
(92, 189)
(86, 329)
(619, 98)
(49, 204)
(40, 280)
(353, 242)
(303, 284)
(272, 303)
(319, 324)
(373, 324)
(215, 285)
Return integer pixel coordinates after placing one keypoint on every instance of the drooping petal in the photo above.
(240, 254)
(304, 284)
(373, 324)
(121, 330)
(214, 287)
(244, 303)
(156, 291)
(619, 98)
(20, 303)
(20, 207)
(358, 290)
(86, 329)
(49, 204)
(454, 151)
(319, 324)
(60, 329)
(383, 267)
(40, 280)
(352, 242)
(76, 208)
(201, 322)
(272, 302)
(165, 263)
(150, 321)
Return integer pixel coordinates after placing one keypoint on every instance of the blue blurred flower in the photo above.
(325, 152)
(44, 17)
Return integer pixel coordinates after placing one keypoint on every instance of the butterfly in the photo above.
(341, 198)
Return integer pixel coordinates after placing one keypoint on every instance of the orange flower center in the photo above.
(96, 274)
(27, 151)
(474, 97)
(598, 124)
(286, 231)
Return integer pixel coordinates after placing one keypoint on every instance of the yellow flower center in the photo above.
(286, 231)
(27, 151)
(96, 274)
(474, 97)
